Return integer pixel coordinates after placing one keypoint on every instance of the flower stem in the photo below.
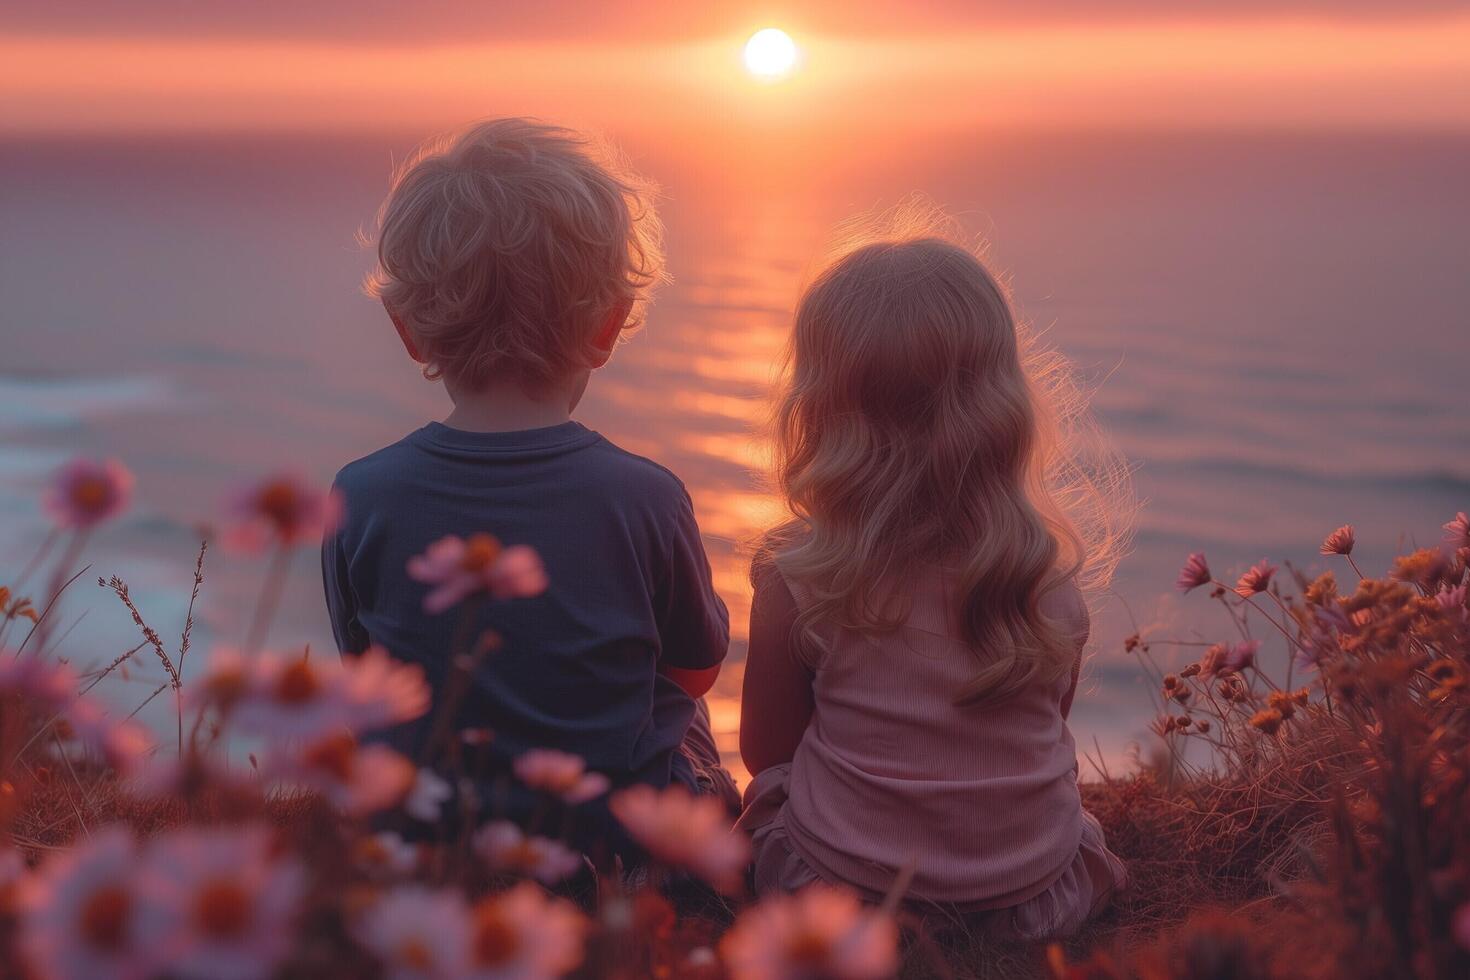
(270, 598)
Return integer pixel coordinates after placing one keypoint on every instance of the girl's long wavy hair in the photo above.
(919, 424)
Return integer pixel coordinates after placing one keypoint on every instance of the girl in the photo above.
(917, 625)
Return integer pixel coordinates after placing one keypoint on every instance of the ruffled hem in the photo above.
(1082, 890)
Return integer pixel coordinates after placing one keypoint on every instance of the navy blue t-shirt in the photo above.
(577, 668)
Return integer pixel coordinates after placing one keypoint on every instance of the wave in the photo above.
(32, 402)
(1426, 479)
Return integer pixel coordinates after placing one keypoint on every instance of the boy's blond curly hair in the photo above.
(503, 247)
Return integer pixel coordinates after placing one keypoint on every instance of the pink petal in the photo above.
(449, 594)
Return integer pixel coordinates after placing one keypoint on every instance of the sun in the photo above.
(770, 54)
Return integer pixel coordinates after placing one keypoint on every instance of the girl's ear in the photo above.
(606, 337)
(403, 335)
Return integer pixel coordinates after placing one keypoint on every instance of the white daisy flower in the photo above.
(560, 774)
(820, 931)
(388, 852)
(221, 905)
(80, 912)
(505, 847)
(685, 831)
(521, 934)
(417, 933)
(357, 779)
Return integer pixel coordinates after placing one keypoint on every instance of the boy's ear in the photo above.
(404, 335)
(606, 337)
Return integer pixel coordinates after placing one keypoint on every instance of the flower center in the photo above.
(808, 950)
(280, 504)
(523, 855)
(222, 909)
(90, 493)
(104, 919)
(414, 954)
(564, 781)
(370, 850)
(480, 552)
(335, 755)
(228, 686)
(297, 684)
(496, 940)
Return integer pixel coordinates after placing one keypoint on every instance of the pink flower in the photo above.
(460, 567)
(418, 934)
(685, 831)
(560, 774)
(292, 695)
(1194, 573)
(1457, 531)
(227, 678)
(47, 686)
(521, 934)
(283, 509)
(1212, 663)
(1313, 648)
(1340, 542)
(1453, 601)
(1221, 659)
(123, 744)
(505, 847)
(79, 912)
(820, 931)
(1241, 656)
(280, 695)
(381, 691)
(221, 904)
(86, 492)
(389, 852)
(1256, 579)
(358, 780)
(52, 689)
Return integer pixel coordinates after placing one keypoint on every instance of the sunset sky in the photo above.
(354, 64)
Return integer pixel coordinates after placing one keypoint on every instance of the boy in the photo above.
(510, 261)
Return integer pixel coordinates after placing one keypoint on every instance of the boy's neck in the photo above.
(507, 408)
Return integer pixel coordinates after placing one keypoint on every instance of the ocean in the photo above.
(1274, 323)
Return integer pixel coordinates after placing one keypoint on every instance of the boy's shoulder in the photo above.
(617, 470)
(638, 474)
(375, 466)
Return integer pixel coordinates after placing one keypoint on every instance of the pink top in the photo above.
(982, 801)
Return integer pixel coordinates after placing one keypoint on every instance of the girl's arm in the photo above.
(1072, 688)
(1074, 612)
(696, 683)
(776, 703)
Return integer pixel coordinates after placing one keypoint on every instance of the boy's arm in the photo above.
(341, 603)
(693, 625)
(776, 704)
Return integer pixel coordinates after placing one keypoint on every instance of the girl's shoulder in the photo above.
(765, 559)
(1066, 605)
